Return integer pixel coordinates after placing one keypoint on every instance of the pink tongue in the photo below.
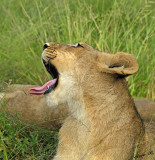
(41, 90)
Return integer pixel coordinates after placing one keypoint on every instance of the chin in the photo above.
(51, 100)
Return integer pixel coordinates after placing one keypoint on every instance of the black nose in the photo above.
(45, 46)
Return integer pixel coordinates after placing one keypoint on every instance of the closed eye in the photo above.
(77, 45)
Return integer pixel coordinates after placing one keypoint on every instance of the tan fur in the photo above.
(103, 122)
(17, 101)
(31, 109)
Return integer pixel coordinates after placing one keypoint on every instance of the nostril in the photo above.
(45, 46)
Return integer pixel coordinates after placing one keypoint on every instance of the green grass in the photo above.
(111, 26)
(19, 141)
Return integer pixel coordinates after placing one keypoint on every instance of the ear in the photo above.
(123, 64)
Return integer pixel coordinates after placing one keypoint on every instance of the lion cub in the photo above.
(103, 122)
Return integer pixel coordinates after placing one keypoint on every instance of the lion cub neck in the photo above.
(101, 109)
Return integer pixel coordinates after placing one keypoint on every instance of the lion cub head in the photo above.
(79, 69)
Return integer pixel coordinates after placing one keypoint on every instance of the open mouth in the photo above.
(50, 85)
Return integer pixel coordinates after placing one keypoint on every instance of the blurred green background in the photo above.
(111, 26)
(108, 25)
